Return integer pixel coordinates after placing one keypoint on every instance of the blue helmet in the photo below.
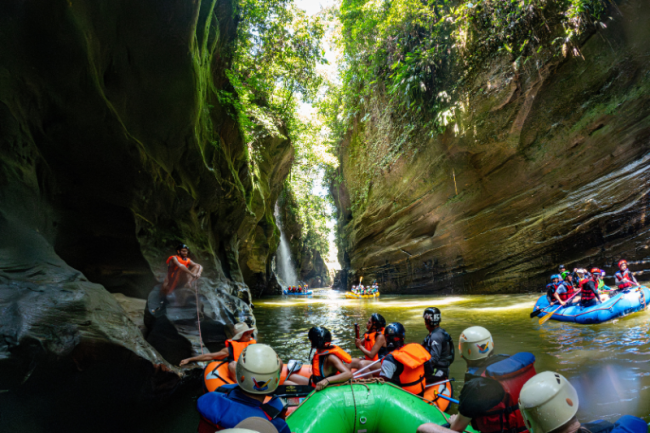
(554, 276)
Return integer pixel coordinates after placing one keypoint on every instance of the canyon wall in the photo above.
(540, 165)
(117, 144)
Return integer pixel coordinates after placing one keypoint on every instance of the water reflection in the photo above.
(607, 363)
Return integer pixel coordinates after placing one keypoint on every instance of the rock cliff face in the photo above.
(539, 167)
(115, 146)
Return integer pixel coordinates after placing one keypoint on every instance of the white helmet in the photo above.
(547, 401)
(475, 343)
(258, 369)
(238, 430)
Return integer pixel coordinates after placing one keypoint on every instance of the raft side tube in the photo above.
(380, 408)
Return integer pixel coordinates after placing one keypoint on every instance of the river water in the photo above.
(608, 363)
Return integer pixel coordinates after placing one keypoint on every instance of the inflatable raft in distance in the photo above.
(351, 295)
(371, 407)
(619, 305)
(285, 292)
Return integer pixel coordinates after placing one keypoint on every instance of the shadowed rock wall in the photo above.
(539, 167)
(114, 148)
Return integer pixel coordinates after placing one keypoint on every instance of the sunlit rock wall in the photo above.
(539, 167)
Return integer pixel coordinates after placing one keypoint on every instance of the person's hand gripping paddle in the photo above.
(550, 313)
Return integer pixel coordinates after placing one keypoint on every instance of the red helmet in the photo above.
(595, 271)
(621, 262)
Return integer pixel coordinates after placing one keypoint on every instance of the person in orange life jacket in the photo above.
(589, 292)
(181, 270)
(489, 396)
(258, 376)
(372, 345)
(404, 365)
(624, 278)
(330, 364)
(552, 287)
(549, 403)
(439, 345)
(565, 290)
(242, 338)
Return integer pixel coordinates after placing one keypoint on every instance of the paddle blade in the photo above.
(535, 313)
(547, 317)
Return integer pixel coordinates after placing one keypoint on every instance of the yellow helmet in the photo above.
(475, 343)
(547, 401)
(258, 369)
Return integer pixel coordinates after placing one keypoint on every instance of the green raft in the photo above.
(368, 408)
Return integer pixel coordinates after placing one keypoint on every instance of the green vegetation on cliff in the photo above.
(419, 53)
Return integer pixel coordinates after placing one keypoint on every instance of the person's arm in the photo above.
(196, 268)
(388, 369)
(379, 343)
(557, 296)
(433, 428)
(181, 266)
(460, 423)
(223, 353)
(435, 350)
(344, 375)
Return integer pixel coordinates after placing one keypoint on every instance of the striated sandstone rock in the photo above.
(539, 167)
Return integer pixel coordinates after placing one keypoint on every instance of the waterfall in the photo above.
(285, 267)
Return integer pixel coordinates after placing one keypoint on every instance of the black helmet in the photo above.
(561, 267)
(432, 316)
(378, 320)
(319, 337)
(181, 246)
(395, 334)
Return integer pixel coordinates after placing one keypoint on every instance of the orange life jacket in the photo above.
(412, 357)
(317, 367)
(369, 339)
(174, 272)
(235, 348)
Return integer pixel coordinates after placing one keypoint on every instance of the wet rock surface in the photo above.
(538, 168)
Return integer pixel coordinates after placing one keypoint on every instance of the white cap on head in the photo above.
(475, 343)
(547, 401)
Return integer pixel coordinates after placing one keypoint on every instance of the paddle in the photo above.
(453, 400)
(538, 312)
(440, 383)
(356, 373)
(550, 314)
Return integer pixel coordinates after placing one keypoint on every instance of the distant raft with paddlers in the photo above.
(352, 295)
(620, 304)
(371, 407)
(303, 293)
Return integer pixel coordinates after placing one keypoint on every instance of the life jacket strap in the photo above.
(415, 382)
